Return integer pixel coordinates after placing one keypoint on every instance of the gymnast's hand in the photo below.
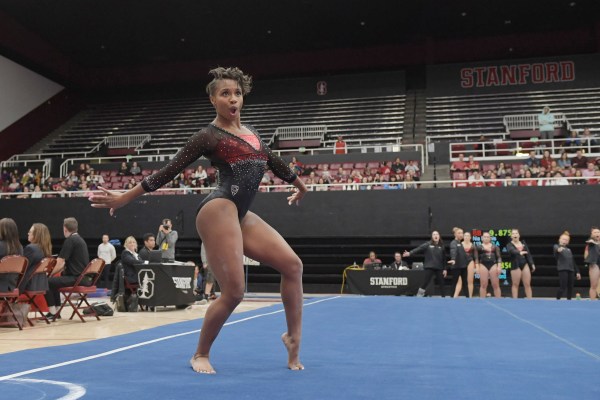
(296, 196)
(108, 199)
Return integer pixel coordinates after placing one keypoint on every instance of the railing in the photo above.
(45, 164)
(519, 149)
(420, 185)
(431, 139)
(64, 167)
(122, 142)
(303, 132)
(530, 121)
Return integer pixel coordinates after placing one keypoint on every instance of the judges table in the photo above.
(384, 281)
(165, 284)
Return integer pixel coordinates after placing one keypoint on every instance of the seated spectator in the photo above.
(14, 185)
(298, 166)
(393, 184)
(559, 180)
(149, 244)
(563, 161)
(472, 165)
(326, 174)
(24, 193)
(412, 167)
(589, 171)
(82, 170)
(398, 166)
(494, 181)
(135, 169)
(372, 259)
(39, 247)
(579, 180)
(350, 185)
(37, 192)
(458, 166)
(321, 185)
(587, 137)
(579, 161)
(340, 146)
(123, 169)
(546, 160)
(409, 182)
(398, 264)
(9, 240)
(476, 180)
(130, 258)
(72, 260)
(528, 180)
(573, 140)
(365, 185)
(501, 171)
(532, 161)
(94, 178)
(200, 173)
(508, 181)
(384, 168)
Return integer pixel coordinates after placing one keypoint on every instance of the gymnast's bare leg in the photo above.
(219, 228)
(265, 245)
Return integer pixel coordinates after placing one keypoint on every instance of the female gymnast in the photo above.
(522, 265)
(225, 226)
(591, 256)
(565, 264)
(471, 253)
(490, 266)
(459, 262)
(435, 262)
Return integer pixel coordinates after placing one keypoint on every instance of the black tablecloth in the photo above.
(165, 284)
(384, 282)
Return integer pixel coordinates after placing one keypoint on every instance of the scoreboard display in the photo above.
(500, 238)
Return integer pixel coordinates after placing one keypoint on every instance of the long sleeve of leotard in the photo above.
(200, 144)
(279, 167)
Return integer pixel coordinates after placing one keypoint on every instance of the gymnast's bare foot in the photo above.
(201, 365)
(293, 349)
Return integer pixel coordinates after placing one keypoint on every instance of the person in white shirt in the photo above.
(559, 180)
(107, 252)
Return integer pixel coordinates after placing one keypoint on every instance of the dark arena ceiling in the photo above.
(118, 33)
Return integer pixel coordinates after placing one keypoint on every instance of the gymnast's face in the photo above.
(228, 99)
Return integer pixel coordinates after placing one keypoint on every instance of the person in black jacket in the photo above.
(592, 259)
(129, 258)
(459, 262)
(521, 265)
(565, 264)
(434, 264)
(39, 247)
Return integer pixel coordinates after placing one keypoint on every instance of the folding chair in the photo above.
(80, 293)
(44, 267)
(133, 287)
(13, 268)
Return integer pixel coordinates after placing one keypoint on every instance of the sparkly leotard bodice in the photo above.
(240, 166)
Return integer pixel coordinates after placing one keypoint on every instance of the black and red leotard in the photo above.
(240, 166)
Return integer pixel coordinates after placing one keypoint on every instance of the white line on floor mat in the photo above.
(546, 331)
(133, 346)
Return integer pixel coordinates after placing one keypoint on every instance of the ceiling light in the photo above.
(507, 22)
(182, 39)
(362, 23)
(464, 13)
(572, 4)
(269, 31)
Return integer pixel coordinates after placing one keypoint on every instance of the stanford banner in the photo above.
(570, 72)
